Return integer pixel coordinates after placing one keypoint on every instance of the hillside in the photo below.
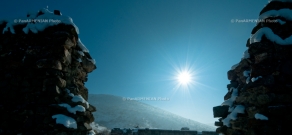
(113, 112)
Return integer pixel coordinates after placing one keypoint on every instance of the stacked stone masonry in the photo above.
(259, 97)
(42, 76)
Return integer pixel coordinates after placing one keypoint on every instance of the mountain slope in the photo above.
(113, 112)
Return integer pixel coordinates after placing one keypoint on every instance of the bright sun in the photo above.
(184, 78)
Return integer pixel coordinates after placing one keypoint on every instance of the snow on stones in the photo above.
(233, 115)
(44, 52)
(231, 100)
(260, 117)
(47, 19)
(91, 132)
(286, 13)
(255, 78)
(98, 128)
(257, 37)
(84, 49)
(246, 73)
(79, 98)
(39, 23)
(91, 60)
(79, 60)
(73, 109)
(82, 46)
(69, 93)
(65, 120)
(81, 53)
(269, 59)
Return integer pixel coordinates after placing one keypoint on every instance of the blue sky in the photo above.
(139, 45)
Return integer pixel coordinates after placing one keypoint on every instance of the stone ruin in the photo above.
(43, 69)
(259, 96)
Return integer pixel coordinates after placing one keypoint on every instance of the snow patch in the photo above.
(286, 13)
(246, 73)
(230, 109)
(82, 46)
(260, 116)
(247, 80)
(39, 23)
(255, 78)
(233, 115)
(70, 94)
(79, 60)
(91, 132)
(234, 95)
(257, 37)
(79, 98)
(92, 61)
(81, 53)
(65, 120)
(73, 109)
(99, 129)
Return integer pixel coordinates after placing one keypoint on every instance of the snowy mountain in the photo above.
(113, 112)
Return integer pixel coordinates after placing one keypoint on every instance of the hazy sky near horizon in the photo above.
(139, 45)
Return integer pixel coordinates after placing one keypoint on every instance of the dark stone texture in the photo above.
(270, 95)
(35, 71)
(220, 111)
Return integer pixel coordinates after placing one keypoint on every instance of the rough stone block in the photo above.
(217, 123)
(220, 111)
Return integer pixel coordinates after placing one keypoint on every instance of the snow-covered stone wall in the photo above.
(259, 97)
(44, 66)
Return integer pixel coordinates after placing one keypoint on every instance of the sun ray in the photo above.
(184, 78)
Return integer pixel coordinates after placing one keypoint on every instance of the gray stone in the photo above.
(217, 123)
(220, 111)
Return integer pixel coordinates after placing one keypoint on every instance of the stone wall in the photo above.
(259, 97)
(43, 69)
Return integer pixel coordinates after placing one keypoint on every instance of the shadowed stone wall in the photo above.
(43, 70)
(259, 97)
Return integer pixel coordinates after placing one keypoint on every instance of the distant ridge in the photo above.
(113, 112)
